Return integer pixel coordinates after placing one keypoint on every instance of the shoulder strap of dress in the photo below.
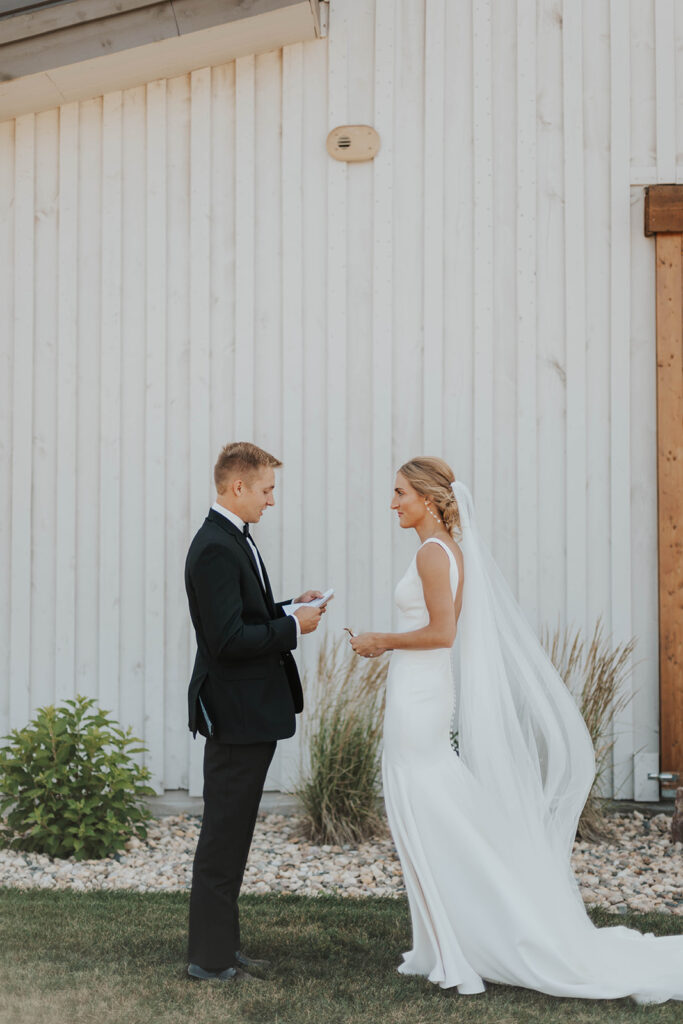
(435, 540)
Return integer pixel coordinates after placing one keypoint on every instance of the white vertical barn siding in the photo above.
(190, 267)
(576, 154)
(525, 395)
(380, 370)
(335, 470)
(7, 190)
(616, 368)
(503, 406)
(483, 339)
(66, 388)
(20, 553)
(154, 379)
(111, 400)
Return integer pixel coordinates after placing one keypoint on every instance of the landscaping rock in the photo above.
(677, 820)
(632, 868)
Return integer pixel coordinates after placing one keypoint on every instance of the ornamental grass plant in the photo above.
(69, 784)
(595, 673)
(340, 791)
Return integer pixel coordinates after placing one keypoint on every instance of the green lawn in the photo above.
(119, 958)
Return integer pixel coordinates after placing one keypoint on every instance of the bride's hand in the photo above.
(368, 645)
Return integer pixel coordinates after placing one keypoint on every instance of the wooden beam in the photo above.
(670, 495)
(664, 209)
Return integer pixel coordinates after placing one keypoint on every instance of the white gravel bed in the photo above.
(636, 867)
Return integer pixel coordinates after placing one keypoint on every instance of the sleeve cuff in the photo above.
(296, 623)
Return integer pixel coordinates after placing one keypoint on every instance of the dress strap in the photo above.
(435, 540)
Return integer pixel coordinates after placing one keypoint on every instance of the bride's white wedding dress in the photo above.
(492, 896)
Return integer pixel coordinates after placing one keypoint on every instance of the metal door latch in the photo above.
(663, 776)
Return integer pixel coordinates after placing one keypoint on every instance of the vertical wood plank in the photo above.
(503, 289)
(269, 360)
(180, 527)
(200, 148)
(222, 253)
(200, 362)
(267, 357)
(88, 414)
(434, 63)
(408, 251)
(314, 169)
(337, 212)
(458, 384)
(67, 376)
(314, 497)
(359, 326)
(551, 334)
(7, 207)
(292, 314)
(155, 430)
(575, 313)
(295, 419)
(665, 69)
(199, 293)
(244, 249)
(527, 443)
(670, 489)
(22, 422)
(382, 312)
(110, 407)
(678, 97)
(483, 266)
(293, 411)
(597, 199)
(620, 379)
(640, 18)
(132, 429)
(44, 410)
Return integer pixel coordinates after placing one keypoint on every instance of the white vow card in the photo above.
(316, 603)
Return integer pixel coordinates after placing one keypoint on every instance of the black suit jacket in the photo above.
(244, 674)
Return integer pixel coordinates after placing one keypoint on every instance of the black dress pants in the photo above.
(234, 774)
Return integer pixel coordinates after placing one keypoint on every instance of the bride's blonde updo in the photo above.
(432, 477)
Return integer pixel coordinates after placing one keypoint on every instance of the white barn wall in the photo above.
(190, 267)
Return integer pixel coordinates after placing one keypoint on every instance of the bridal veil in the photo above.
(521, 733)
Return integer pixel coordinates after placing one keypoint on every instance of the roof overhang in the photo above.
(78, 49)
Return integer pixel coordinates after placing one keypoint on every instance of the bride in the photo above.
(485, 838)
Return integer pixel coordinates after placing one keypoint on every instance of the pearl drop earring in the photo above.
(438, 518)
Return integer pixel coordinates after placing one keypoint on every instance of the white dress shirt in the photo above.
(239, 523)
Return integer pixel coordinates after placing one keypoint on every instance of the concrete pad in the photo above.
(177, 801)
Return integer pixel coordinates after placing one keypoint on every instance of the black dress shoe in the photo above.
(259, 966)
(233, 974)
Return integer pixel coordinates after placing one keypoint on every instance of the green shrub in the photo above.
(595, 675)
(340, 790)
(69, 785)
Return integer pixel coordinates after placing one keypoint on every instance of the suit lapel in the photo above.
(269, 590)
(224, 522)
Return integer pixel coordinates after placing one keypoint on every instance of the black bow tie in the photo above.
(245, 529)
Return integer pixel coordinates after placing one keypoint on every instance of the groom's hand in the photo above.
(310, 595)
(309, 618)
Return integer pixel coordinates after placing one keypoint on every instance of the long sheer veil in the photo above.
(520, 731)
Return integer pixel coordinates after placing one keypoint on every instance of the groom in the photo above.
(243, 697)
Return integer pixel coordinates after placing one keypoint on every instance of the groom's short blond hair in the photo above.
(241, 458)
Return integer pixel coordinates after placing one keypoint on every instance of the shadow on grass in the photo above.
(119, 958)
